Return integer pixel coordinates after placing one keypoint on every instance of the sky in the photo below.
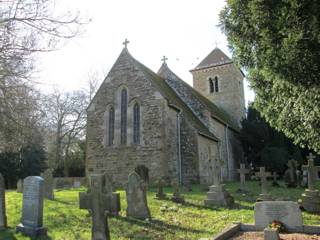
(185, 31)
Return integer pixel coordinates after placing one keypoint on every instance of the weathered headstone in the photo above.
(187, 186)
(3, 216)
(160, 194)
(290, 175)
(32, 208)
(286, 212)
(113, 197)
(218, 195)
(19, 186)
(96, 201)
(77, 184)
(143, 172)
(136, 190)
(264, 196)
(275, 179)
(48, 184)
(176, 196)
(310, 199)
(243, 171)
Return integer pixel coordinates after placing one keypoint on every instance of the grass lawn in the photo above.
(65, 221)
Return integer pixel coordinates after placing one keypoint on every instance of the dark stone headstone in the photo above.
(143, 172)
(290, 175)
(19, 186)
(136, 190)
(177, 197)
(113, 197)
(96, 201)
(3, 216)
(32, 208)
(160, 194)
(48, 184)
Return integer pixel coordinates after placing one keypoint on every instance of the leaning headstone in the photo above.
(96, 201)
(136, 190)
(243, 171)
(290, 175)
(48, 184)
(32, 208)
(113, 197)
(218, 195)
(19, 186)
(143, 172)
(176, 196)
(160, 194)
(264, 196)
(310, 199)
(286, 212)
(3, 216)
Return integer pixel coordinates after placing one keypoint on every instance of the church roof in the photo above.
(173, 98)
(196, 101)
(215, 58)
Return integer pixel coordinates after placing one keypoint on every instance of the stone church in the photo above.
(139, 117)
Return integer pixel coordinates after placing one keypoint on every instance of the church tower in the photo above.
(218, 79)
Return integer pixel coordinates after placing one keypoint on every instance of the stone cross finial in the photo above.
(164, 59)
(97, 202)
(125, 43)
(243, 171)
(216, 43)
(312, 172)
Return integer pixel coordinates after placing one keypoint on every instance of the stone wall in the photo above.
(230, 96)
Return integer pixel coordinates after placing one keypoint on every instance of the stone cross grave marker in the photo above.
(243, 171)
(32, 208)
(160, 194)
(3, 216)
(96, 201)
(48, 184)
(216, 172)
(136, 190)
(286, 212)
(19, 186)
(312, 171)
(262, 174)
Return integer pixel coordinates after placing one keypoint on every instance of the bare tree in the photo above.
(65, 120)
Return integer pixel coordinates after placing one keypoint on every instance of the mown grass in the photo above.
(65, 221)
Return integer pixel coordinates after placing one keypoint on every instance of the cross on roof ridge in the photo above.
(125, 43)
(164, 59)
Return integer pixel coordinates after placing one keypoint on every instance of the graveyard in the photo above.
(191, 220)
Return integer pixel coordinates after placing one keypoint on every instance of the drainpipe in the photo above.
(227, 146)
(179, 147)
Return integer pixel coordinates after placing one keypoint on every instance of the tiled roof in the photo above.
(215, 58)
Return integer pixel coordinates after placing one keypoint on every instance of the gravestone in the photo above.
(48, 184)
(176, 196)
(218, 195)
(96, 201)
(187, 186)
(19, 186)
(275, 179)
(143, 172)
(286, 212)
(310, 199)
(137, 197)
(3, 216)
(32, 208)
(113, 197)
(290, 175)
(160, 194)
(77, 184)
(243, 171)
(264, 196)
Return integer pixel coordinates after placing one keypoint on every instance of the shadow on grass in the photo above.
(9, 233)
(159, 225)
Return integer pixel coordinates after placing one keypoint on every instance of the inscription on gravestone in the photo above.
(286, 212)
(32, 208)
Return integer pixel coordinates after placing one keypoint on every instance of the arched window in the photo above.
(124, 106)
(211, 85)
(136, 123)
(111, 126)
(216, 85)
